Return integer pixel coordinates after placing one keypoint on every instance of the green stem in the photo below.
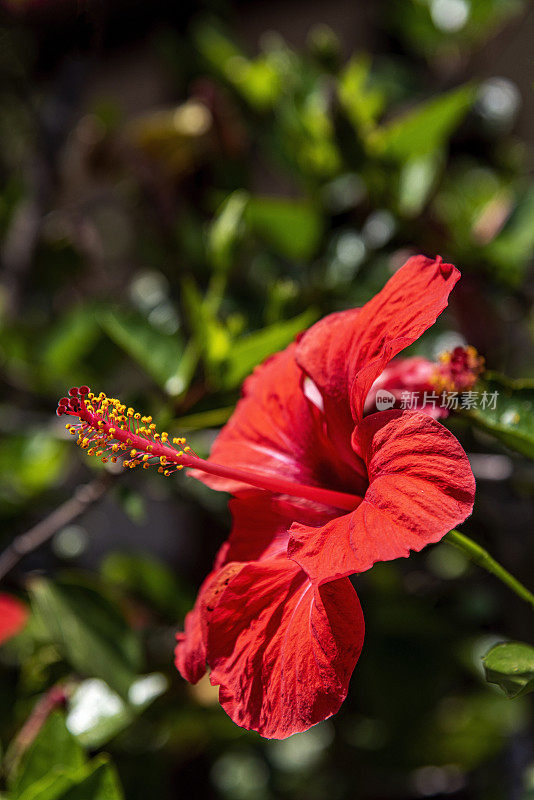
(481, 557)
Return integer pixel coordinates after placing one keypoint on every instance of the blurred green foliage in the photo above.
(159, 248)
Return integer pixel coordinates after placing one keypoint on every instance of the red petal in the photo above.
(260, 530)
(276, 430)
(345, 352)
(190, 651)
(283, 651)
(420, 486)
(13, 616)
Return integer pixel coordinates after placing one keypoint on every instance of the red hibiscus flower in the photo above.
(320, 493)
(277, 620)
(13, 616)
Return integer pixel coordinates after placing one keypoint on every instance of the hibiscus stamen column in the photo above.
(107, 429)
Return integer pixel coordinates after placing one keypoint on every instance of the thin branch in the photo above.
(84, 497)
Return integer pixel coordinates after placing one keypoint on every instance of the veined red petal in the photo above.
(190, 651)
(277, 430)
(345, 352)
(260, 531)
(282, 650)
(13, 616)
(420, 486)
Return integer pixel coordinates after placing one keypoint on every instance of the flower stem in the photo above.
(481, 557)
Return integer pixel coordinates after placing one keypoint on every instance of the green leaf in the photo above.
(256, 80)
(160, 355)
(96, 713)
(142, 575)
(251, 350)
(213, 418)
(513, 248)
(361, 103)
(509, 411)
(53, 746)
(416, 180)
(101, 783)
(70, 339)
(226, 230)
(423, 129)
(293, 228)
(96, 780)
(210, 336)
(511, 666)
(88, 630)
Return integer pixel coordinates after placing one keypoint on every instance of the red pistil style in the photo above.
(106, 427)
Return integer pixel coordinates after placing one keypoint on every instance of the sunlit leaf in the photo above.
(362, 104)
(161, 355)
(226, 230)
(88, 630)
(293, 228)
(256, 80)
(96, 713)
(505, 408)
(54, 746)
(252, 349)
(29, 464)
(416, 180)
(212, 418)
(511, 666)
(423, 129)
(210, 335)
(512, 250)
(69, 340)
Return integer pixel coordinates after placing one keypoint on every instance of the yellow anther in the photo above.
(112, 431)
(162, 460)
(115, 447)
(167, 472)
(146, 458)
(105, 460)
(99, 453)
(187, 449)
(133, 453)
(91, 451)
(180, 466)
(137, 415)
(146, 466)
(160, 469)
(149, 448)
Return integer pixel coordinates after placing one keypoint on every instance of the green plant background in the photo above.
(183, 191)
